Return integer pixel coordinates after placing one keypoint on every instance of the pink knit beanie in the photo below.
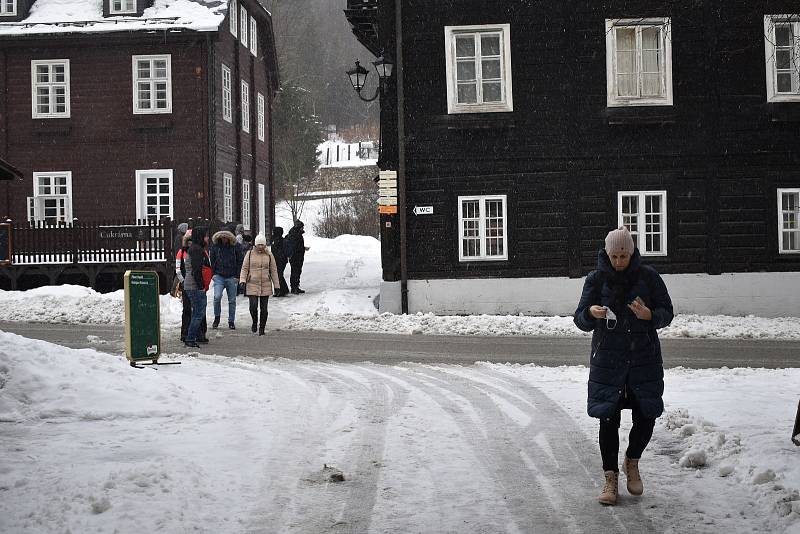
(619, 240)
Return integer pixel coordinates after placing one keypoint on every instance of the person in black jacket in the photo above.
(623, 303)
(295, 248)
(277, 247)
(226, 263)
(198, 277)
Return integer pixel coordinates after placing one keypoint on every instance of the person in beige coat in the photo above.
(259, 274)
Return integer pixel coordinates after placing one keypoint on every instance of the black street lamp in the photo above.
(358, 77)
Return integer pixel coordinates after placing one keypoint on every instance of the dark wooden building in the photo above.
(133, 109)
(530, 129)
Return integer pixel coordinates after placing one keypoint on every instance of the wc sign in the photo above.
(423, 210)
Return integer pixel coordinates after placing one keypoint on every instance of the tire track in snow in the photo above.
(579, 462)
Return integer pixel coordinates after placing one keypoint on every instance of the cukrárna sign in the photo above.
(131, 233)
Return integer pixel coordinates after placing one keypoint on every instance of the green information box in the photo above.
(142, 316)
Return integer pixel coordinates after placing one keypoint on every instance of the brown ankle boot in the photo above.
(610, 490)
(631, 468)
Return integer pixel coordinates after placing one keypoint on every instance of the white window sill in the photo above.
(51, 116)
(498, 258)
(634, 102)
(152, 112)
(481, 108)
(784, 97)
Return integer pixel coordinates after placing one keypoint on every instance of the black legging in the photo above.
(256, 303)
(641, 432)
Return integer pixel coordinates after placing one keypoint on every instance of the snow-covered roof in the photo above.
(86, 16)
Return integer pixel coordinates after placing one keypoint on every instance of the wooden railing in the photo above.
(92, 242)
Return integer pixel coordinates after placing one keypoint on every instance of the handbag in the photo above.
(177, 288)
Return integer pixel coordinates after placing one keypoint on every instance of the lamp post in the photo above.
(358, 77)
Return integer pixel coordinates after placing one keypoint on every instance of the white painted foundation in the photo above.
(760, 294)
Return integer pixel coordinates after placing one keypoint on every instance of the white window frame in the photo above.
(233, 12)
(227, 94)
(253, 37)
(36, 202)
(137, 110)
(639, 237)
(51, 86)
(261, 117)
(613, 99)
(4, 11)
(243, 18)
(246, 204)
(141, 193)
(262, 209)
(770, 49)
(227, 197)
(781, 229)
(245, 106)
(482, 200)
(507, 102)
(123, 10)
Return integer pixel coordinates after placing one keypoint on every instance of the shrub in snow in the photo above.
(764, 477)
(693, 458)
(726, 470)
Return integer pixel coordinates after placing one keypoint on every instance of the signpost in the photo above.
(6, 253)
(142, 317)
(387, 192)
(423, 210)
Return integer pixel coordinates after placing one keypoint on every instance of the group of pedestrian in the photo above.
(236, 267)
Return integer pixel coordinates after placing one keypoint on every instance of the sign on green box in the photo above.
(142, 316)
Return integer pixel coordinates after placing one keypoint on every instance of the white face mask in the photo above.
(611, 318)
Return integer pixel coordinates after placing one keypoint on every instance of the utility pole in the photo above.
(401, 154)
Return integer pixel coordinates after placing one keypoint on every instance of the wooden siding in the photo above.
(103, 142)
(720, 151)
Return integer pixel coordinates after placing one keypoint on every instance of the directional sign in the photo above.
(423, 210)
(387, 201)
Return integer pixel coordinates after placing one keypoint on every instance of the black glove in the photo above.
(241, 287)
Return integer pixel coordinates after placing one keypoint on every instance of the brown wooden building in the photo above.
(136, 110)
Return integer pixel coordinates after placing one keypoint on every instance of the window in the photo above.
(51, 202)
(245, 107)
(152, 84)
(227, 197)
(253, 38)
(246, 204)
(782, 46)
(644, 213)
(233, 10)
(789, 221)
(50, 88)
(116, 7)
(262, 209)
(154, 194)
(478, 68)
(8, 8)
(261, 117)
(482, 224)
(227, 99)
(639, 62)
(243, 25)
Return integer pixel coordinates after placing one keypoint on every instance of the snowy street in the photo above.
(237, 445)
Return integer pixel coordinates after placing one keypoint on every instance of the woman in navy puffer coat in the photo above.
(624, 302)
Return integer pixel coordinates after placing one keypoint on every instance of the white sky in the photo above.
(226, 444)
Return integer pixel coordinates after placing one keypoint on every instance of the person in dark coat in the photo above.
(277, 247)
(295, 248)
(197, 279)
(623, 303)
(226, 263)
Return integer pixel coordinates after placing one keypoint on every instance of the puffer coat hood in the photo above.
(223, 237)
(625, 358)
